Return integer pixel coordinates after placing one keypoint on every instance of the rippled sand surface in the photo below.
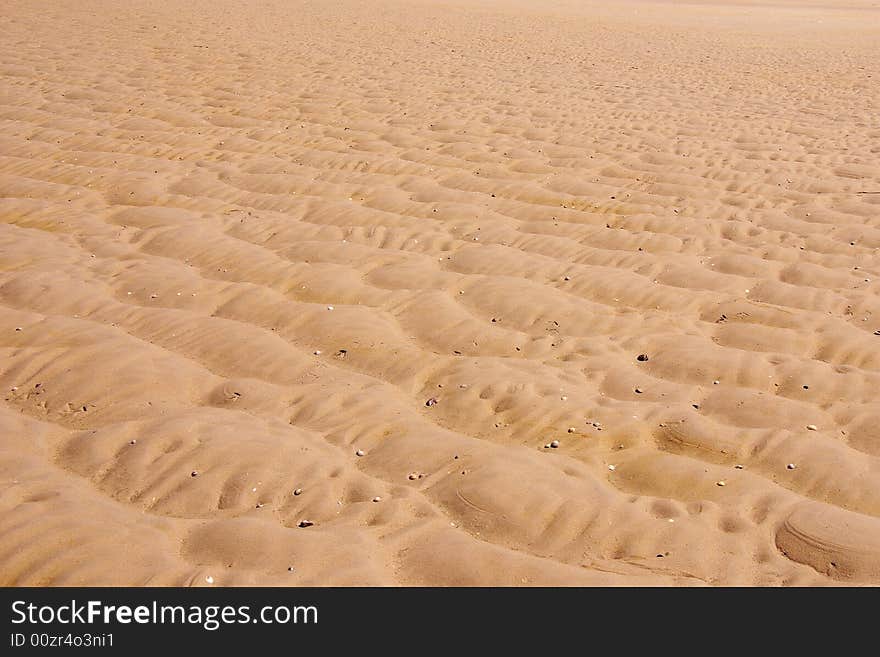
(439, 292)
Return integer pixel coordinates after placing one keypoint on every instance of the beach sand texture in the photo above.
(429, 292)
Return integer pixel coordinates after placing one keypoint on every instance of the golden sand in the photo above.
(384, 269)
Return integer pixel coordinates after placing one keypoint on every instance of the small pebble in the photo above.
(18, 328)
(738, 466)
(642, 357)
(298, 491)
(377, 499)
(305, 523)
(638, 391)
(360, 452)
(812, 427)
(431, 401)
(290, 569)
(329, 307)
(791, 466)
(571, 430)
(132, 442)
(317, 352)
(194, 473)
(612, 467)
(720, 483)
(209, 579)
(554, 444)
(564, 398)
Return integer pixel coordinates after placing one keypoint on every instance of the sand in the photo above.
(354, 293)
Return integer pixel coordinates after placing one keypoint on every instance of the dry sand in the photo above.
(244, 245)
